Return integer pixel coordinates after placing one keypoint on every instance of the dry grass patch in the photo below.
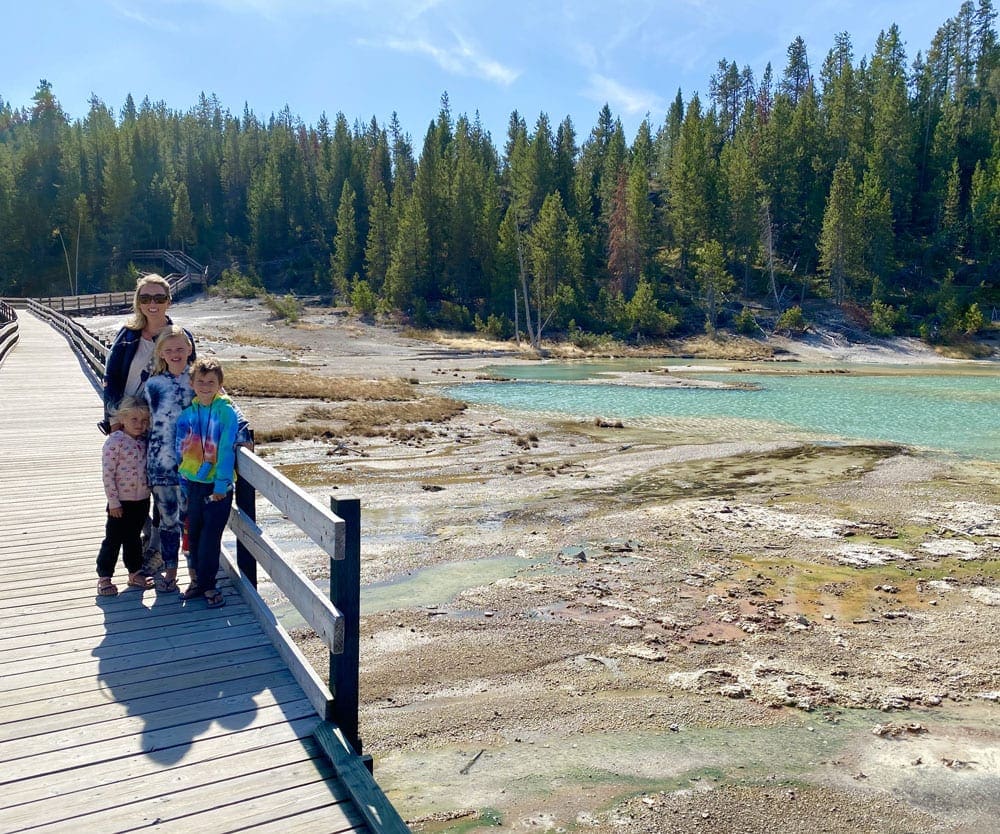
(252, 338)
(398, 420)
(296, 385)
(723, 347)
(371, 419)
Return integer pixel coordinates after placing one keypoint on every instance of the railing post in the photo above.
(245, 497)
(345, 594)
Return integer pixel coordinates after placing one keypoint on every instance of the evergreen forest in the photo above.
(872, 183)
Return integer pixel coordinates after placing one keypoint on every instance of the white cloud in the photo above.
(136, 14)
(462, 58)
(631, 101)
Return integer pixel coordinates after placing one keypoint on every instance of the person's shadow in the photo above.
(186, 672)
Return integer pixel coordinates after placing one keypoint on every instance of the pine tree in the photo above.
(875, 224)
(690, 183)
(377, 247)
(407, 280)
(796, 76)
(839, 241)
(555, 253)
(182, 225)
(713, 280)
(344, 260)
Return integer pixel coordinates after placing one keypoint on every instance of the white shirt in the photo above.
(139, 370)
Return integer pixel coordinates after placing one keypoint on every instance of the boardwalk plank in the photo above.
(186, 790)
(149, 777)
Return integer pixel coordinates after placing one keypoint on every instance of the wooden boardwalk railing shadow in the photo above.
(141, 711)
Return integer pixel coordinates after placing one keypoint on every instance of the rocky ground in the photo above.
(573, 625)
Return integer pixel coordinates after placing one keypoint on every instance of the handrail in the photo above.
(110, 301)
(88, 346)
(180, 261)
(9, 333)
(113, 301)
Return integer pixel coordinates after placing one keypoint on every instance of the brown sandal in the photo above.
(106, 588)
(191, 592)
(140, 580)
(214, 598)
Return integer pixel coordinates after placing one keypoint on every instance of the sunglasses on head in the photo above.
(159, 298)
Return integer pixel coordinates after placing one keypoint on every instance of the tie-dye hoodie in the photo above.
(205, 443)
(167, 396)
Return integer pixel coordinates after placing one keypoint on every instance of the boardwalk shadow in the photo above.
(183, 671)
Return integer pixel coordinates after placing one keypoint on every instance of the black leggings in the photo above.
(123, 534)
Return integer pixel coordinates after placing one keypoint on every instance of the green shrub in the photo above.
(974, 320)
(453, 316)
(746, 323)
(234, 284)
(495, 327)
(363, 298)
(287, 307)
(791, 322)
(884, 318)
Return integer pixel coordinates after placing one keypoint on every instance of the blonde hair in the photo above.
(138, 319)
(171, 331)
(128, 406)
(206, 365)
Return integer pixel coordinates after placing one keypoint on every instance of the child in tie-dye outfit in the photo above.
(205, 446)
(168, 393)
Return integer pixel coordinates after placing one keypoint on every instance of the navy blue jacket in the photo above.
(116, 367)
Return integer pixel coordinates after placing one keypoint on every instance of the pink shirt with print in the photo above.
(124, 463)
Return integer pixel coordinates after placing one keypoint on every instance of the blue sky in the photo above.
(372, 57)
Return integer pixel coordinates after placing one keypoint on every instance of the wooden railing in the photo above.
(112, 302)
(90, 348)
(8, 329)
(180, 261)
(336, 620)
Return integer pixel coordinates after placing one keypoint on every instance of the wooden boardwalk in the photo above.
(134, 712)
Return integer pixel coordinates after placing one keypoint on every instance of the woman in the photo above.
(129, 364)
(130, 359)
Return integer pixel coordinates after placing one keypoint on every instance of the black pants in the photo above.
(123, 534)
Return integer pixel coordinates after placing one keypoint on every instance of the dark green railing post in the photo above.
(245, 497)
(345, 594)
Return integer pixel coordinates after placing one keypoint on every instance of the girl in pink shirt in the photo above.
(124, 471)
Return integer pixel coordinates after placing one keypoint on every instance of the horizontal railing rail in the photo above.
(112, 302)
(9, 332)
(180, 261)
(107, 301)
(90, 348)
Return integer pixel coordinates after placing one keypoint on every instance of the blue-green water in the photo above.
(949, 411)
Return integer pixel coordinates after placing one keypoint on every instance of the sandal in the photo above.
(191, 592)
(165, 586)
(105, 587)
(140, 580)
(214, 598)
